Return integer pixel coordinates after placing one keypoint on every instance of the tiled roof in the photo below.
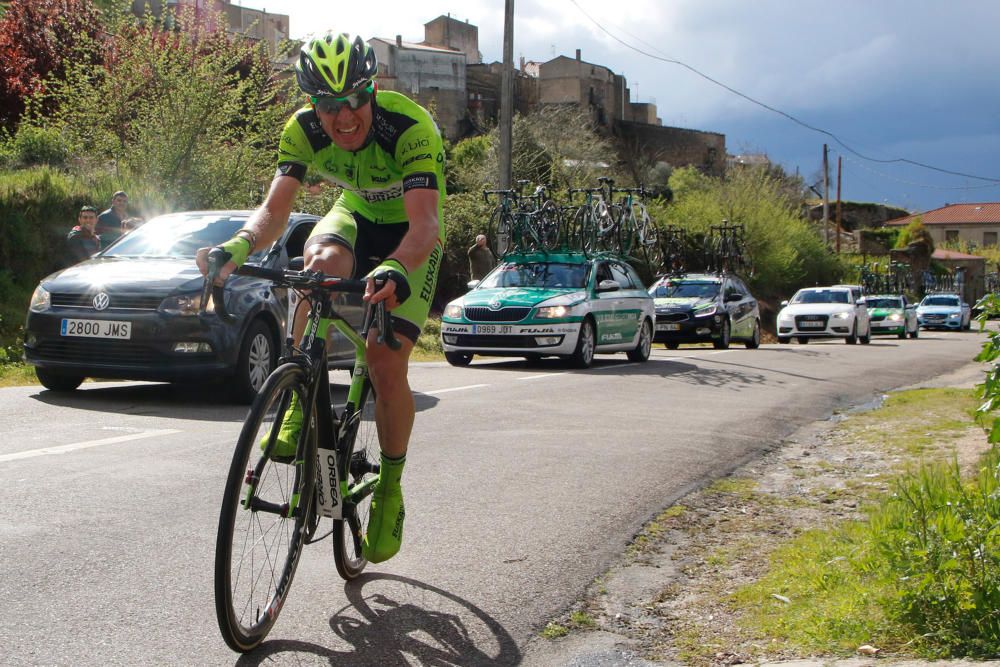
(953, 254)
(986, 213)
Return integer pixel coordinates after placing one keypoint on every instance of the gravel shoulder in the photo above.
(661, 603)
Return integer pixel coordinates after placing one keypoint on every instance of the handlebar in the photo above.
(375, 315)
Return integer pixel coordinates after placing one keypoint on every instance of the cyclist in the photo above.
(386, 152)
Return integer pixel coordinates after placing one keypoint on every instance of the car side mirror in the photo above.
(862, 302)
(608, 286)
(472, 284)
(784, 303)
(733, 297)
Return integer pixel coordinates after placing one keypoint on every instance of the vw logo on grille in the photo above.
(495, 304)
(101, 301)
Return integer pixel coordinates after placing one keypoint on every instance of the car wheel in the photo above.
(803, 340)
(583, 355)
(58, 381)
(784, 340)
(458, 358)
(722, 342)
(867, 338)
(753, 342)
(257, 359)
(853, 338)
(671, 346)
(642, 348)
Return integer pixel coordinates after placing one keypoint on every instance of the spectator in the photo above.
(481, 260)
(115, 223)
(82, 241)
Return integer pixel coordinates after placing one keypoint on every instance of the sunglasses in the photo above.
(355, 100)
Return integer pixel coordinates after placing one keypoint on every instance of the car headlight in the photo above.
(842, 315)
(895, 317)
(954, 315)
(551, 312)
(40, 300)
(705, 312)
(454, 311)
(185, 304)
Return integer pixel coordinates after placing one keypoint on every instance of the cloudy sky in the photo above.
(885, 83)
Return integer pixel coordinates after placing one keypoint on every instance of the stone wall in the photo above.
(676, 146)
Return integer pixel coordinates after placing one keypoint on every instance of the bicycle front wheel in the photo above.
(265, 514)
(501, 233)
(360, 447)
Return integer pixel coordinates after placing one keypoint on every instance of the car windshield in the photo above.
(884, 302)
(177, 235)
(821, 296)
(678, 289)
(940, 301)
(538, 274)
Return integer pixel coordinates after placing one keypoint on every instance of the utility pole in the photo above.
(840, 160)
(507, 97)
(826, 196)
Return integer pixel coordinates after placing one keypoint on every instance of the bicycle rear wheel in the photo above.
(501, 233)
(585, 229)
(360, 447)
(264, 518)
(549, 225)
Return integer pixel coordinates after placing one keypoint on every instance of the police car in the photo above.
(551, 304)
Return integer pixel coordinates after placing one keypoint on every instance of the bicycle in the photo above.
(273, 508)
(593, 224)
(636, 228)
(514, 226)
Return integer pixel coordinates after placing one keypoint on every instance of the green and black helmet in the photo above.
(334, 65)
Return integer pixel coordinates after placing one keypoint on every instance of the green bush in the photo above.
(938, 536)
(34, 145)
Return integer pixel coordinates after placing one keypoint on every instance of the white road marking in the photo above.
(445, 391)
(62, 449)
(543, 375)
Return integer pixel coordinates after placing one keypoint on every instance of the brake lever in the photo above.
(217, 258)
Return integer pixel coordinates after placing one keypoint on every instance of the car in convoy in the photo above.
(824, 312)
(705, 307)
(944, 311)
(537, 305)
(132, 311)
(892, 314)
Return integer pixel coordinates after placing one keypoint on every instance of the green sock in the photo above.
(385, 523)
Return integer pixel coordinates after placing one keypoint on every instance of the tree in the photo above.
(38, 40)
(195, 110)
(916, 232)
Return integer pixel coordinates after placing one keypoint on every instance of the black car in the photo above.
(705, 307)
(132, 311)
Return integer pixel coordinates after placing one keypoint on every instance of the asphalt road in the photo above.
(523, 483)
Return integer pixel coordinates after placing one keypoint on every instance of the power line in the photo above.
(919, 185)
(787, 115)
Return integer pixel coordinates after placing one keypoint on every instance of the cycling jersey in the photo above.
(404, 151)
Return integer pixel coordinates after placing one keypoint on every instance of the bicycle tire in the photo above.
(627, 229)
(586, 229)
(360, 447)
(549, 225)
(270, 549)
(500, 233)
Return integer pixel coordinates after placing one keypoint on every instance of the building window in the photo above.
(950, 235)
(989, 238)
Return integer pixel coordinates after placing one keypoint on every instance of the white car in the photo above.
(824, 312)
(945, 311)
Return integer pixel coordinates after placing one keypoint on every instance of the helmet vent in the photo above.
(340, 46)
(340, 70)
(328, 72)
(329, 38)
(319, 51)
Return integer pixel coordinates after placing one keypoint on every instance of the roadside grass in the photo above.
(919, 574)
(17, 374)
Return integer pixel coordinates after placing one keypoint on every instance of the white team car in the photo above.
(824, 312)
(551, 304)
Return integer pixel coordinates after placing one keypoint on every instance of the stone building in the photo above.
(254, 23)
(432, 76)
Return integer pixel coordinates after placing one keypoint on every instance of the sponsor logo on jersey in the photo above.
(379, 179)
(430, 277)
(422, 156)
(414, 145)
(374, 196)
